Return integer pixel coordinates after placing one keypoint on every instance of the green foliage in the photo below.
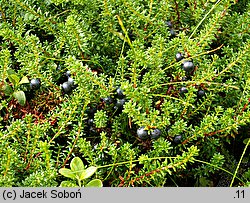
(127, 44)
(100, 119)
(12, 89)
(43, 178)
(78, 172)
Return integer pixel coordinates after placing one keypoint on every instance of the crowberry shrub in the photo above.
(119, 83)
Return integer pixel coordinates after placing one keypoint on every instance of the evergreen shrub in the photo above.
(78, 78)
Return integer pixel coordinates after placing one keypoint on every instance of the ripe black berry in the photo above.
(169, 24)
(172, 33)
(142, 134)
(58, 67)
(183, 90)
(107, 100)
(67, 74)
(71, 81)
(184, 78)
(119, 92)
(61, 78)
(120, 103)
(177, 139)
(66, 88)
(178, 57)
(188, 66)
(35, 84)
(92, 130)
(90, 121)
(155, 134)
(91, 111)
(201, 93)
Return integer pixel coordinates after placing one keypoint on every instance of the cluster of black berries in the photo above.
(188, 67)
(90, 127)
(120, 99)
(143, 134)
(67, 84)
(107, 102)
(172, 32)
(65, 80)
(35, 84)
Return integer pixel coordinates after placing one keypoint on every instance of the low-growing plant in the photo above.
(12, 89)
(78, 173)
(151, 93)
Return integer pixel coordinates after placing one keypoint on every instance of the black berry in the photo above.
(35, 84)
(188, 66)
(120, 103)
(178, 57)
(172, 33)
(201, 93)
(107, 100)
(119, 92)
(58, 67)
(142, 133)
(184, 78)
(90, 121)
(92, 130)
(155, 134)
(177, 139)
(169, 24)
(70, 81)
(91, 111)
(183, 90)
(67, 74)
(66, 88)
